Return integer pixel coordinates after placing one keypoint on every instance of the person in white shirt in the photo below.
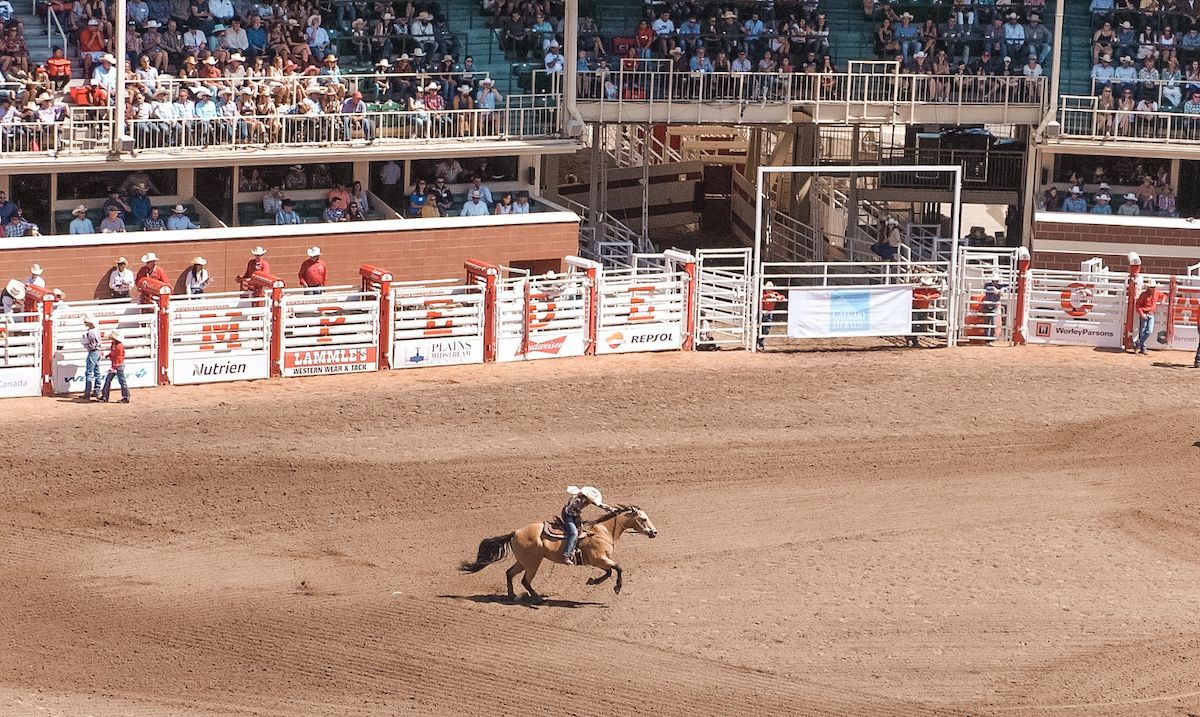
(194, 40)
(106, 74)
(221, 10)
(197, 278)
(554, 59)
(120, 281)
(475, 207)
(6, 10)
(235, 36)
(35, 276)
(477, 185)
(522, 204)
(14, 296)
(81, 224)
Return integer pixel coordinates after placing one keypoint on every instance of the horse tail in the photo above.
(491, 550)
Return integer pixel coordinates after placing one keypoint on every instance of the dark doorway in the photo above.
(713, 195)
(1188, 201)
(31, 192)
(214, 189)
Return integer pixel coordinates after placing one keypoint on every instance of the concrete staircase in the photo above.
(35, 35)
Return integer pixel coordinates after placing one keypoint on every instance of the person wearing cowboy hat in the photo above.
(422, 31)
(317, 37)
(116, 367)
(1102, 205)
(139, 204)
(908, 35)
(1146, 304)
(1075, 203)
(256, 265)
(1129, 208)
(14, 295)
(179, 219)
(150, 269)
(35, 277)
(475, 206)
(572, 516)
(313, 272)
(90, 340)
(81, 224)
(120, 280)
(197, 278)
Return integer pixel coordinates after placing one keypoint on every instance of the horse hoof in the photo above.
(591, 581)
(617, 589)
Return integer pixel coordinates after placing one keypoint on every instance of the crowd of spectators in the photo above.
(1145, 59)
(1148, 193)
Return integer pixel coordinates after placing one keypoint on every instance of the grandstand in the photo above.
(220, 107)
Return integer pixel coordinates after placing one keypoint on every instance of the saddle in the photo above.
(553, 528)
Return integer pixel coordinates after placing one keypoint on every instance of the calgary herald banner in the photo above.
(830, 313)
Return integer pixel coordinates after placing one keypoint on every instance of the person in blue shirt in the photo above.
(701, 63)
(417, 198)
(1102, 205)
(139, 204)
(287, 214)
(256, 37)
(179, 219)
(1075, 203)
(7, 208)
(689, 34)
(475, 206)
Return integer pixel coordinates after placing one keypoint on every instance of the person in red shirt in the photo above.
(924, 296)
(313, 272)
(116, 359)
(257, 264)
(769, 299)
(92, 44)
(58, 67)
(1145, 305)
(150, 269)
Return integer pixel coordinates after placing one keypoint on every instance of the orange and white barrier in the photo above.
(26, 341)
(546, 316)
(1079, 308)
(138, 323)
(646, 309)
(438, 323)
(334, 331)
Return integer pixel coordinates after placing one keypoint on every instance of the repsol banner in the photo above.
(332, 359)
(449, 351)
(214, 369)
(628, 339)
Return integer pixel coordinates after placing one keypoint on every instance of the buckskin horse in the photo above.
(535, 542)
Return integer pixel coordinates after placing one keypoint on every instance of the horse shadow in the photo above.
(526, 602)
(1168, 364)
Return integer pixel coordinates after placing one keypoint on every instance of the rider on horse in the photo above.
(580, 499)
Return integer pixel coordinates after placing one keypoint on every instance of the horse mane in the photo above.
(617, 510)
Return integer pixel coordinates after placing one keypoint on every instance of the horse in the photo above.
(531, 545)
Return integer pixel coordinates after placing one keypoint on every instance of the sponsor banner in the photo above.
(69, 378)
(830, 313)
(332, 359)
(212, 369)
(650, 337)
(20, 381)
(449, 351)
(1075, 333)
(543, 345)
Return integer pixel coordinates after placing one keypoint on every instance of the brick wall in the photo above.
(82, 272)
(1164, 249)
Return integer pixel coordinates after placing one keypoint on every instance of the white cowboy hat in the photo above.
(15, 289)
(1103, 198)
(107, 58)
(314, 251)
(927, 281)
(464, 88)
(258, 251)
(383, 63)
(433, 86)
(59, 294)
(203, 92)
(149, 257)
(488, 81)
(210, 60)
(592, 494)
(121, 260)
(44, 97)
(115, 336)
(1076, 190)
(769, 285)
(90, 320)
(475, 194)
(200, 260)
(403, 56)
(152, 24)
(551, 275)
(1104, 185)
(79, 210)
(237, 57)
(729, 14)
(418, 52)
(36, 270)
(179, 209)
(1131, 196)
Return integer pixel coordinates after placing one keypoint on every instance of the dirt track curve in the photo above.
(976, 531)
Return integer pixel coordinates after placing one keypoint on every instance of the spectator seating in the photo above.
(63, 217)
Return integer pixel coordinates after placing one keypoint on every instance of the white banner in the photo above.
(543, 345)
(330, 360)
(212, 369)
(448, 351)
(1073, 332)
(69, 378)
(867, 311)
(20, 381)
(651, 337)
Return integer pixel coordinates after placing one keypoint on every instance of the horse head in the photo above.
(636, 520)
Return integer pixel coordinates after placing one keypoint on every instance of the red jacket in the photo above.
(923, 297)
(1148, 301)
(256, 264)
(116, 354)
(156, 273)
(313, 272)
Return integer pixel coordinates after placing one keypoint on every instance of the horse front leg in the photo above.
(527, 580)
(609, 566)
(597, 580)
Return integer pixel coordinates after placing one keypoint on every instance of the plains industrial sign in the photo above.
(448, 351)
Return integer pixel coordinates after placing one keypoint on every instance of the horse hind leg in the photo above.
(527, 580)
(600, 578)
(509, 575)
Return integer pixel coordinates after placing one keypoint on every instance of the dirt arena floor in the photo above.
(974, 531)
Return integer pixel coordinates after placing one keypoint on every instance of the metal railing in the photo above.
(375, 87)
(1164, 92)
(1079, 117)
(653, 86)
(52, 24)
(992, 169)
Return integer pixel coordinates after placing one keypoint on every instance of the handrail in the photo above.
(1080, 117)
(51, 23)
(293, 84)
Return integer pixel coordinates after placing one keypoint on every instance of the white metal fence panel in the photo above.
(438, 323)
(335, 331)
(541, 317)
(987, 285)
(20, 355)
(1077, 308)
(723, 293)
(219, 337)
(138, 324)
(856, 299)
(642, 312)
